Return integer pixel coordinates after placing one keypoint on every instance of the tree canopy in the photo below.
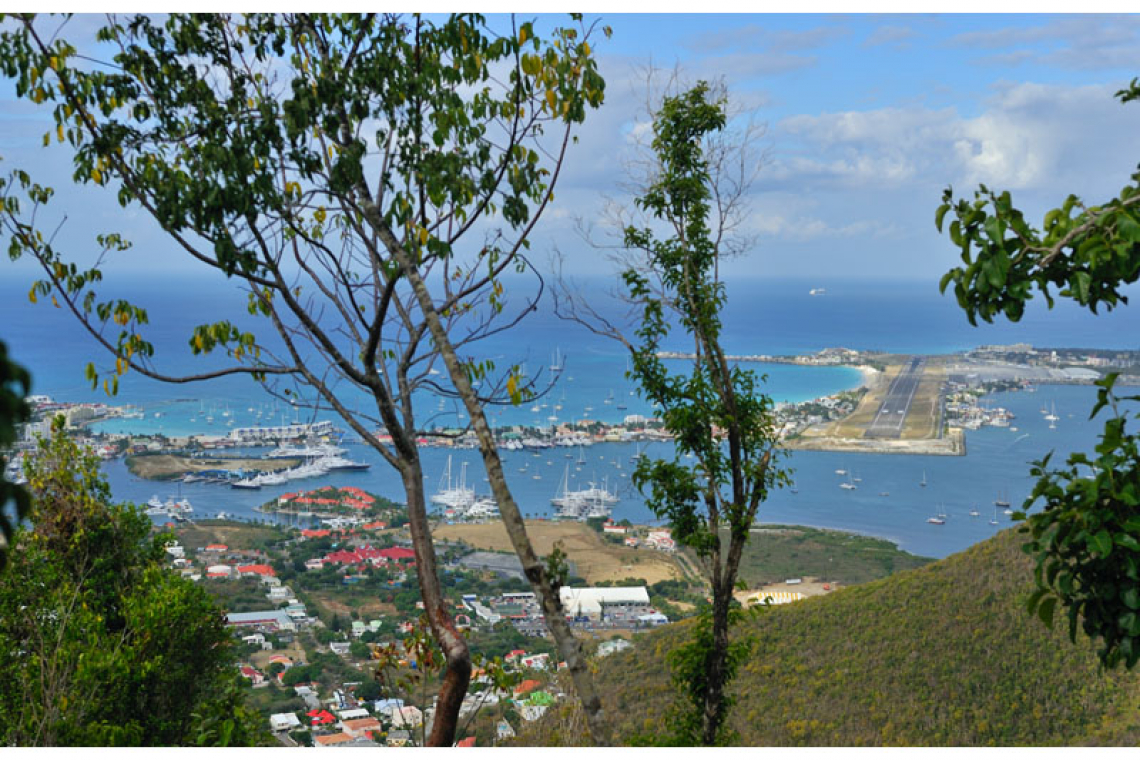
(104, 645)
(1086, 535)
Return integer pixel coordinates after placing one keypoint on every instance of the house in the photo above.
(652, 619)
(612, 528)
(257, 640)
(330, 739)
(386, 707)
(352, 714)
(309, 533)
(529, 712)
(316, 563)
(216, 548)
(407, 717)
(526, 686)
(220, 571)
(606, 648)
(321, 717)
(339, 647)
(397, 554)
(503, 730)
(361, 727)
(254, 675)
(268, 619)
(537, 661)
(250, 571)
(468, 742)
(358, 629)
(284, 722)
(398, 738)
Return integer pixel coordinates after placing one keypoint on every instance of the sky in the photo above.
(866, 120)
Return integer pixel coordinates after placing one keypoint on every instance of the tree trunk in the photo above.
(569, 647)
(714, 696)
(458, 657)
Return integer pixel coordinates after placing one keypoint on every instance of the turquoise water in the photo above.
(774, 318)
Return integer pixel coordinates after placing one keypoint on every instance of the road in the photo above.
(888, 421)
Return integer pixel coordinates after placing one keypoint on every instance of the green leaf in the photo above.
(1101, 543)
(1045, 610)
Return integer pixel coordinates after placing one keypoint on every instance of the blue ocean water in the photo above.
(762, 317)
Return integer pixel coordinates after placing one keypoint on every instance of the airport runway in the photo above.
(888, 422)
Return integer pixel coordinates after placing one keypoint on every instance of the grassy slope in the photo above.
(775, 553)
(940, 655)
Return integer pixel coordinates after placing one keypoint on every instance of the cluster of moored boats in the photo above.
(176, 509)
(319, 461)
(459, 501)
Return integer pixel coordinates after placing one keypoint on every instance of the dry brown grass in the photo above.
(595, 559)
(165, 466)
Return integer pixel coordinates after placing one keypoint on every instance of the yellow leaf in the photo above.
(423, 235)
(319, 214)
(586, 48)
(96, 175)
(32, 294)
(550, 99)
(522, 34)
(54, 302)
(59, 132)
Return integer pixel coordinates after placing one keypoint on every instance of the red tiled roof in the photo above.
(216, 548)
(397, 553)
(528, 685)
(258, 569)
(468, 742)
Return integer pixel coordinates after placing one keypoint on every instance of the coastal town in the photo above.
(323, 603)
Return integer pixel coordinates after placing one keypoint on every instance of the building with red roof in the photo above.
(397, 554)
(321, 717)
(322, 533)
(527, 686)
(468, 742)
(261, 570)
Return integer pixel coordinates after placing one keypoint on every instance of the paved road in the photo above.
(888, 422)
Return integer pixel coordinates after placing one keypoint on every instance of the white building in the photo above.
(594, 603)
(284, 722)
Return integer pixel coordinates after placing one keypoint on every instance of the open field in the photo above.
(595, 559)
(233, 535)
(334, 602)
(168, 466)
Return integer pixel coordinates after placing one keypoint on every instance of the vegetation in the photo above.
(1086, 536)
(15, 384)
(778, 552)
(716, 413)
(943, 655)
(335, 166)
(103, 645)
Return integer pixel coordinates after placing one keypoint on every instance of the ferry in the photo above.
(817, 292)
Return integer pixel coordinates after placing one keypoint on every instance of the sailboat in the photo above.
(1001, 500)
(923, 482)
(556, 361)
(993, 520)
(1052, 415)
(849, 485)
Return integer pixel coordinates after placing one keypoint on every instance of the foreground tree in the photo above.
(715, 412)
(103, 645)
(1086, 536)
(15, 384)
(338, 168)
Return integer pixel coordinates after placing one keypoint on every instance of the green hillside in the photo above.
(939, 655)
